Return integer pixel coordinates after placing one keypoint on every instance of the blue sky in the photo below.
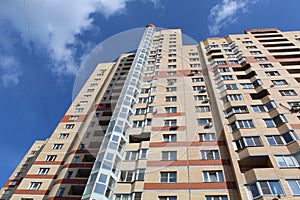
(43, 42)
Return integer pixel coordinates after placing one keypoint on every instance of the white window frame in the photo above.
(34, 185)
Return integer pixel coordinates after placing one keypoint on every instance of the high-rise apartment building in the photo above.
(213, 121)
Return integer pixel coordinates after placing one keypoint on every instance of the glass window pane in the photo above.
(265, 188)
(294, 185)
(254, 190)
(275, 187)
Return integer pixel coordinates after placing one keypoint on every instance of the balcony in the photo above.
(253, 162)
(256, 174)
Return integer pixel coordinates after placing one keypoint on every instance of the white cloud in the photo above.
(54, 25)
(9, 73)
(224, 14)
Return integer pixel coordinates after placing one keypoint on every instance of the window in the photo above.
(259, 108)
(123, 197)
(74, 118)
(24, 166)
(279, 82)
(199, 88)
(210, 155)
(233, 62)
(29, 159)
(289, 137)
(57, 146)
(140, 174)
(18, 174)
(168, 177)
(90, 90)
(286, 161)
(275, 121)
(50, 158)
(171, 89)
(275, 140)
(130, 176)
(131, 155)
(243, 142)
(213, 176)
(169, 155)
(86, 96)
(235, 110)
(283, 139)
(69, 126)
(232, 97)
(194, 65)
(295, 103)
(34, 185)
(287, 92)
(169, 137)
(170, 122)
(143, 153)
(172, 66)
(6, 192)
(69, 174)
(171, 99)
(43, 171)
(171, 81)
(202, 109)
(272, 73)
(171, 60)
(200, 97)
(138, 124)
(231, 87)
(241, 124)
(204, 121)
(269, 123)
(266, 65)
(226, 77)
(260, 58)
(216, 198)
(279, 119)
(247, 85)
(63, 136)
(264, 108)
(194, 59)
(12, 183)
(171, 110)
(247, 42)
(197, 80)
(167, 198)
(255, 52)
(83, 102)
(193, 54)
(145, 90)
(61, 192)
(265, 188)
(78, 110)
(207, 137)
(141, 111)
(251, 47)
(294, 186)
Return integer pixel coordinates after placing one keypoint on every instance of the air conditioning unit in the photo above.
(202, 90)
(170, 83)
(78, 104)
(208, 125)
(205, 101)
(191, 74)
(295, 109)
